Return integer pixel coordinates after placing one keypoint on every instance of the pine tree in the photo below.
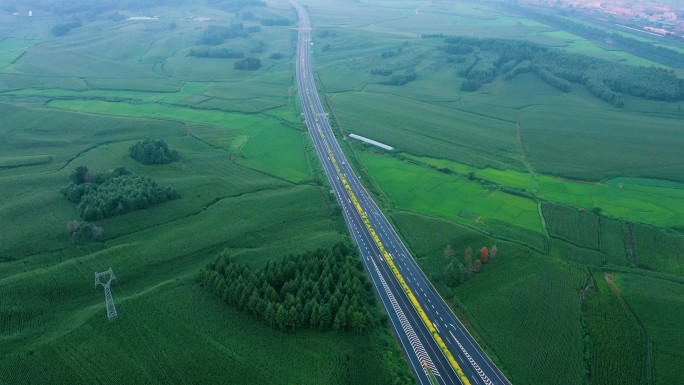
(281, 317)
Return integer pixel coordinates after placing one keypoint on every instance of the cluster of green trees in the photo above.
(215, 35)
(277, 22)
(259, 47)
(247, 64)
(401, 79)
(221, 53)
(381, 71)
(457, 49)
(391, 53)
(457, 272)
(115, 192)
(62, 29)
(490, 58)
(153, 151)
(320, 289)
(644, 49)
(83, 232)
(325, 33)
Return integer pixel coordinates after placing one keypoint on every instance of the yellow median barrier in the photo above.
(395, 270)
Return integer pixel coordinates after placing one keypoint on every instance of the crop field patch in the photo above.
(280, 151)
(11, 49)
(63, 135)
(659, 306)
(18, 161)
(415, 188)
(552, 137)
(526, 304)
(428, 130)
(654, 201)
(617, 352)
(265, 143)
(577, 44)
(157, 338)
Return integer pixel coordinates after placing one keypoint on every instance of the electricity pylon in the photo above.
(111, 309)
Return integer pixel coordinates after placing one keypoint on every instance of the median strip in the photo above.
(395, 270)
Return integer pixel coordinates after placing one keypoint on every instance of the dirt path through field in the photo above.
(524, 153)
(530, 169)
(630, 242)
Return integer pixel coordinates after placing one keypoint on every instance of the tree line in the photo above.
(491, 58)
(111, 193)
(247, 64)
(401, 79)
(276, 22)
(215, 34)
(381, 71)
(221, 53)
(317, 290)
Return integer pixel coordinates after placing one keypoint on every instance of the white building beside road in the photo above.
(371, 141)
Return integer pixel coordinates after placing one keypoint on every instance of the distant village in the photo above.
(653, 17)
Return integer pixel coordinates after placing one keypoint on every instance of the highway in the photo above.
(436, 345)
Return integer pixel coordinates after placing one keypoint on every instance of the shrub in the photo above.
(113, 193)
(247, 64)
(85, 232)
(153, 151)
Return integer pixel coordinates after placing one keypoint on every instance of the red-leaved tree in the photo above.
(484, 254)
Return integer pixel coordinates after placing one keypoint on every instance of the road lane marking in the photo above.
(479, 371)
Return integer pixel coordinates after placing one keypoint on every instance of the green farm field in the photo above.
(452, 197)
(636, 199)
(657, 304)
(246, 185)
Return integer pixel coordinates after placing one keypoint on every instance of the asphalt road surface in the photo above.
(436, 345)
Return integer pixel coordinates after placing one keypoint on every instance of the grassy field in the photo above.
(616, 341)
(654, 201)
(264, 142)
(578, 44)
(658, 305)
(245, 184)
(11, 49)
(452, 197)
